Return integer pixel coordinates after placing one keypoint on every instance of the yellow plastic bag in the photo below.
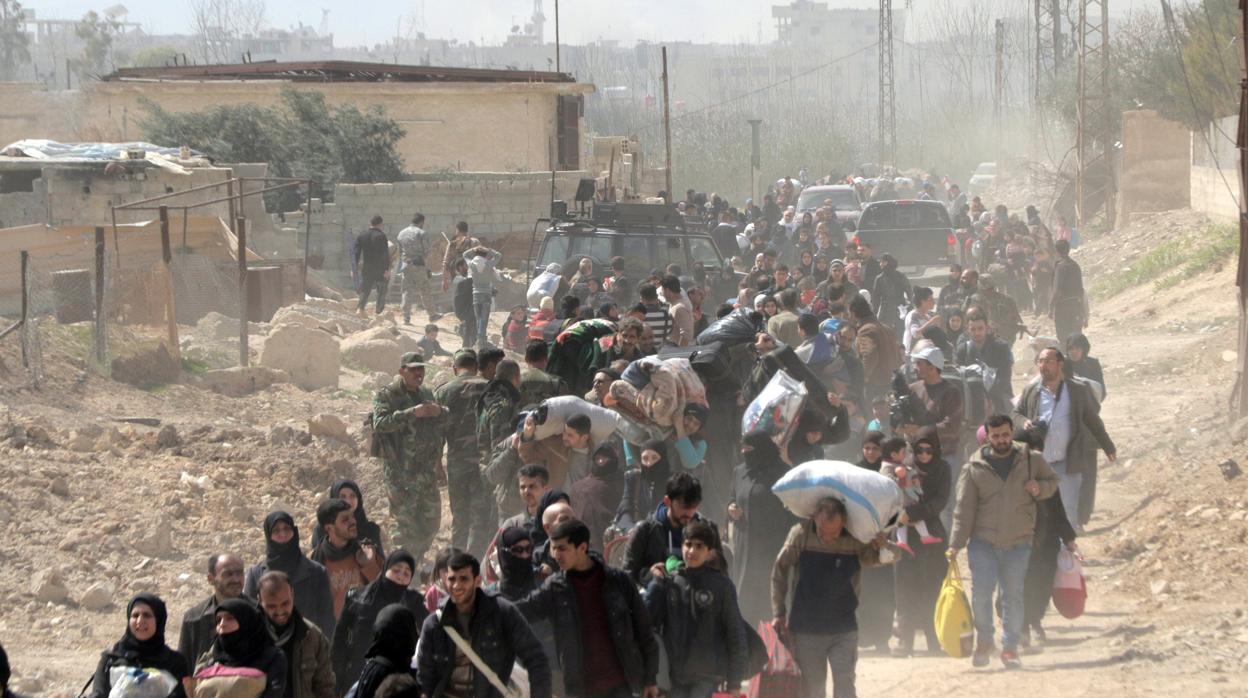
(954, 628)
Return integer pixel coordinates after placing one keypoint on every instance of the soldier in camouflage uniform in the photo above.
(496, 420)
(407, 430)
(1003, 317)
(535, 383)
(463, 456)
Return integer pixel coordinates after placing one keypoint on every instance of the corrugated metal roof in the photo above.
(335, 71)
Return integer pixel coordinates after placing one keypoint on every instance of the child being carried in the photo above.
(909, 479)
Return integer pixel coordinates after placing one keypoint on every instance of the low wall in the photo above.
(499, 207)
(1155, 165)
(1210, 193)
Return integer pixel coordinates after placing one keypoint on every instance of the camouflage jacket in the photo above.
(455, 250)
(536, 385)
(460, 396)
(406, 439)
(496, 415)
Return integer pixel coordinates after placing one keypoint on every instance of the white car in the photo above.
(983, 178)
(844, 200)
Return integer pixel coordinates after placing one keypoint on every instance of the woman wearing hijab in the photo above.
(872, 451)
(1079, 365)
(308, 579)
(243, 643)
(875, 603)
(644, 485)
(837, 278)
(598, 495)
(361, 610)
(350, 492)
(394, 644)
(918, 577)
(760, 523)
(141, 647)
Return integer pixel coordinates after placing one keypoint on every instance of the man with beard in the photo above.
(308, 671)
(981, 346)
(348, 563)
(225, 575)
(951, 294)
(490, 625)
(994, 519)
(657, 538)
(308, 580)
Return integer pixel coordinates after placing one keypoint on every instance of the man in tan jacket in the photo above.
(994, 518)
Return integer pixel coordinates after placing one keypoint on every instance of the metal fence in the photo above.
(79, 307)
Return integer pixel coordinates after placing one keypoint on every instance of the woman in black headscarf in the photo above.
(243, 641)
(350, 492)
(644, 486)
(760, 523)
(394, 644)
(361, 610)
(872, 452)
(598, 495)
(308, 579)
(142, 647)
(918, 577)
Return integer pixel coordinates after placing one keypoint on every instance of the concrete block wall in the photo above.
(1210, 192)
(499, 208)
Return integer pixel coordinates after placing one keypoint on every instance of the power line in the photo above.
(1168, 17)
(764, 88)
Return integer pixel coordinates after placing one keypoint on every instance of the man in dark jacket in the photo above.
(1068, 418)
(657, 538)
(1068, 307)
(491, 626)
(602, 631)
(981, 346)
(371, 253)
(309, 672)
(199, 624)
(308, 579)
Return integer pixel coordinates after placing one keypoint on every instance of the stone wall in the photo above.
(500, 208)
(84, 195)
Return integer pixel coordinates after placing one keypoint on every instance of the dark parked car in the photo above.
(918, 233)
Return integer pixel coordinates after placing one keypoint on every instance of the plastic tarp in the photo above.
(40, 149)
(872, 499)
(545, 284)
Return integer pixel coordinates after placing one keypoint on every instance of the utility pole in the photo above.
(1094, 177)
(756, 155)
(667, 126)
(1240, 398)
(1046, 60)
(558, 64)
(888, 109)
(998, 77)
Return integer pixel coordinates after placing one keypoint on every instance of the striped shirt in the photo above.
(659, 321)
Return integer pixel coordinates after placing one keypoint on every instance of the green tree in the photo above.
(14, 42)
(96, 34)
(153, 56)
(301, 137)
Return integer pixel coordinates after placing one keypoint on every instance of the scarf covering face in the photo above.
(394, 642)
(394, 635)
(763, 461)
(389, 592)
(611, 463)
(245, 646)
(281, 556)
(660, 470)
(517, 572)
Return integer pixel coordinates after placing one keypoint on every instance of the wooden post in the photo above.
(667, 127)
(229, 193)
(171, 314)
(240, 229)
(307, 241)
(101, 325)
(1239, 407)
(25, 261)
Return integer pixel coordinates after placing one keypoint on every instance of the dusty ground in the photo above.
(91, 498)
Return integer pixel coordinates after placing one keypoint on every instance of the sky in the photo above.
(489, 21)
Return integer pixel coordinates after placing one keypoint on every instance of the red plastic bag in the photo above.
(1070, 592)
(780, 678)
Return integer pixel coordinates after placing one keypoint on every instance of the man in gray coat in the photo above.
(1068, 419)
